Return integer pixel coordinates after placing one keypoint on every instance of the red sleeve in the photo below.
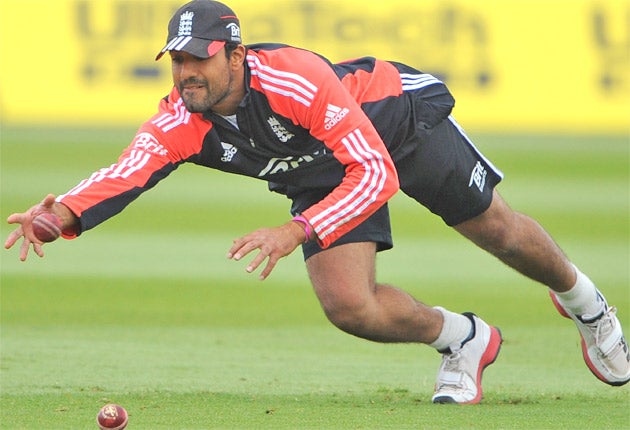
(303, 87)
(158, 147)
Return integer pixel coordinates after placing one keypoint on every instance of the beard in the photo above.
(198, 97)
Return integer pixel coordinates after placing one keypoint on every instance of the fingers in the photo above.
(16, 234)
(15, 218)
(240, 248)
(244, 246)
(268, 268)
(25, 246)
(273, 244)
(47, 204)
(24, 230)
(49, 201)
(13, 237)
(258, 260)
(24, 249)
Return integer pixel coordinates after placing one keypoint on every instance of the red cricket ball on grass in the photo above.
(47, 226)
(112, 417)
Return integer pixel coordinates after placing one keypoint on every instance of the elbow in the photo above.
(395, 182)
(392, 184)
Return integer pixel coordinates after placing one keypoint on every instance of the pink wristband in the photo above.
(307, 227)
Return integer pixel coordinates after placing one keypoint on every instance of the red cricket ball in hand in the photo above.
(112, 417)
(47, 226)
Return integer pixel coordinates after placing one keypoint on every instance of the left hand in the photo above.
(273, 243)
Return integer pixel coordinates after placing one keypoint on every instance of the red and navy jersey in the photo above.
(304, 123)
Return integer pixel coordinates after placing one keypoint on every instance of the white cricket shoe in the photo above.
(459, 376)
(604, 348)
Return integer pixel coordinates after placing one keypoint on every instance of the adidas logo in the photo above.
(334, 114)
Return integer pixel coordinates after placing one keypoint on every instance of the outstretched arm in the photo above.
(25, 228)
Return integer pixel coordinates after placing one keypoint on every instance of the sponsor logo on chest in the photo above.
(282, 133)
(280, 165)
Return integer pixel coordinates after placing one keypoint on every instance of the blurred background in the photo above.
(524, 66)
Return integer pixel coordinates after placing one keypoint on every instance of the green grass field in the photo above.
(147, 312)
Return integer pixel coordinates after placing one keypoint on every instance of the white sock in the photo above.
(455, 329)
(582, 298)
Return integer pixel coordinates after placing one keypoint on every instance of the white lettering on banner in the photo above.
(464, 44)
(149, 143)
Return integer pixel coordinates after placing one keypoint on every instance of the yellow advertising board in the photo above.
(513, 65)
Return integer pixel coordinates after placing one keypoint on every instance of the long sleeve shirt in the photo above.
(304, 123)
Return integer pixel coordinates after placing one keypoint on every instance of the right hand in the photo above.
(25, 229)
(272, 243)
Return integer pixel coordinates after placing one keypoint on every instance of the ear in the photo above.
(237, 57)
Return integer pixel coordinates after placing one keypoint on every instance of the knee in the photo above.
(349, 314)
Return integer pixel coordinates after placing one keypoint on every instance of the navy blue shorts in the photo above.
(445, 173)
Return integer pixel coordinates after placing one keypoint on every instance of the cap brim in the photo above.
(201, 48)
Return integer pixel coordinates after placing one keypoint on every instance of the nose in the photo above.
(185, 69)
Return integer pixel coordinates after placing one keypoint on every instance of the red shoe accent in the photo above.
(558, 306)
(489, 356)
(587, 359)
(590, 364)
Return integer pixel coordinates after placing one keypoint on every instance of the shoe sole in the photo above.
(585, 355)
(489, 356)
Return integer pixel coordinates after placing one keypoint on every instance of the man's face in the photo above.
(203, 83)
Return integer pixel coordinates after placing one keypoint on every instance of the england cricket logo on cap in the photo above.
(214, 25)
(185, 24)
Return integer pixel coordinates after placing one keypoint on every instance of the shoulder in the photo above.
(289, 74)
(172, 113)
(174, 129)
(285, 56)
(283, 61)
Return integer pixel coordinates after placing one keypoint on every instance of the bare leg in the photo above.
(521, 243)
(344, 281)
(344, 277)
